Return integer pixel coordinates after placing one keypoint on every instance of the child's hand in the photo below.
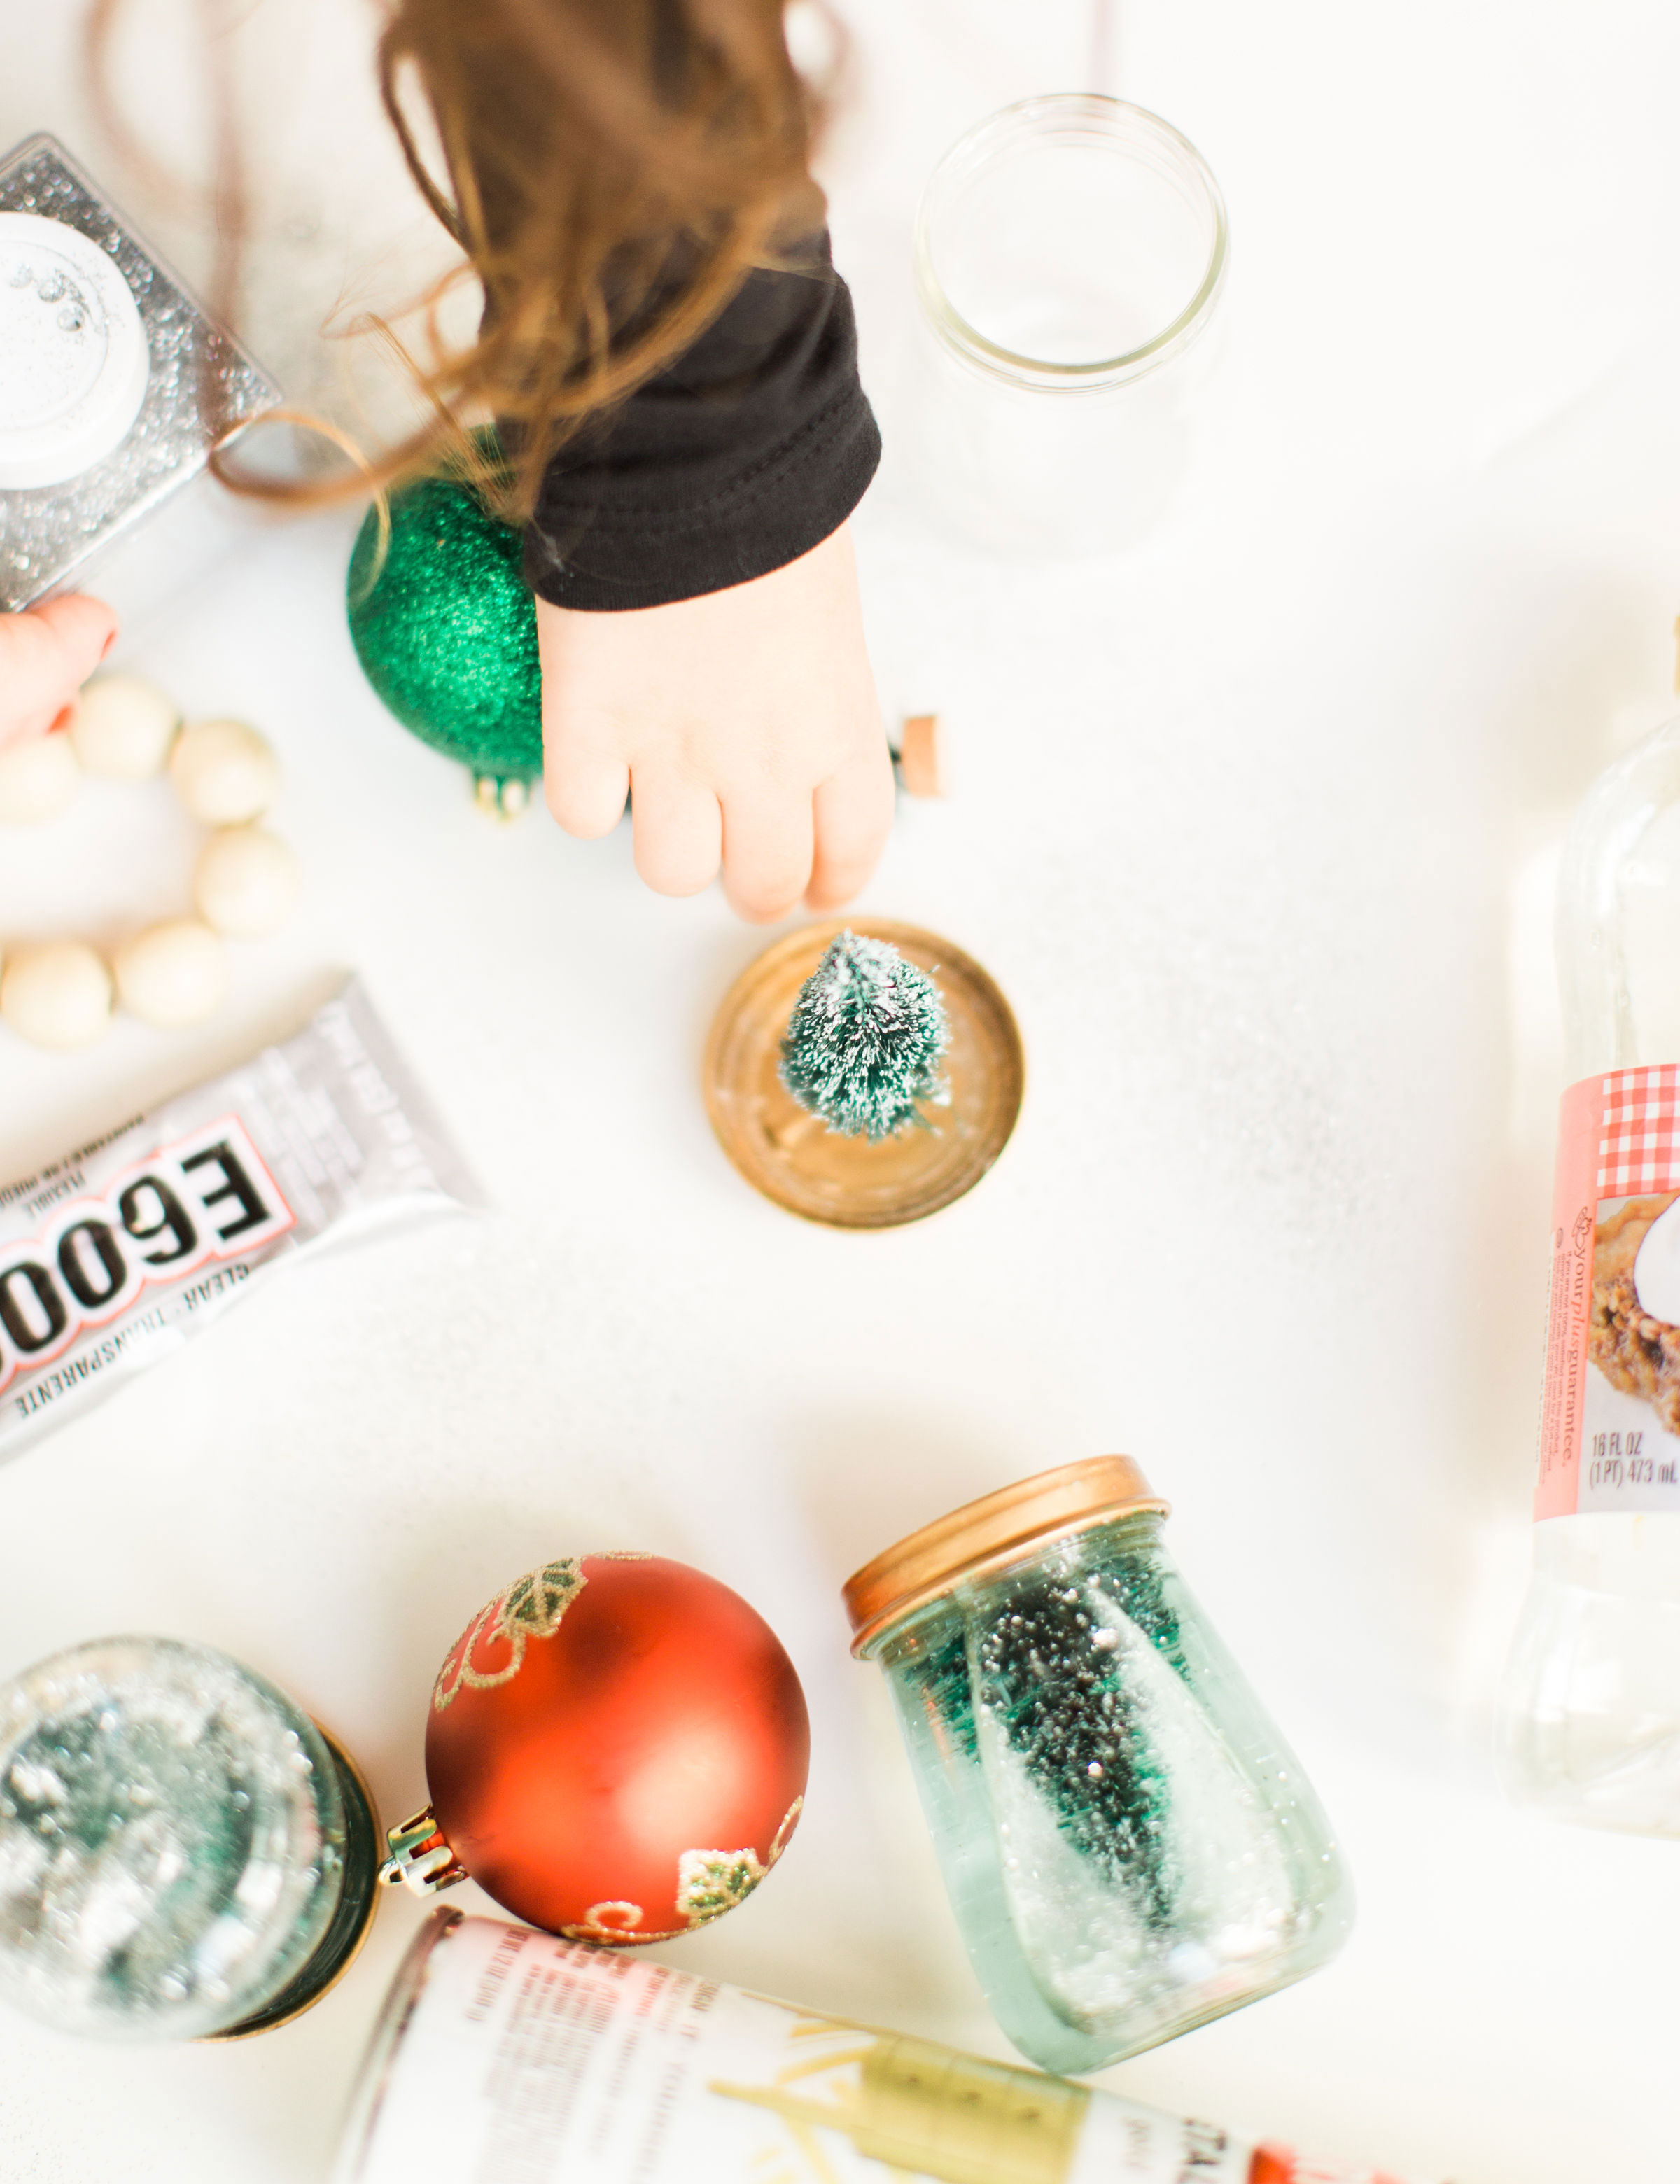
(744, 724)
(45, 656)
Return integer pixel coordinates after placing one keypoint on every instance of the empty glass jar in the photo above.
(182, 1853)
(1130, 1846)
(1069, 255)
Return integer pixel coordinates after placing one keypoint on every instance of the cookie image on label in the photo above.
(1636, 1286)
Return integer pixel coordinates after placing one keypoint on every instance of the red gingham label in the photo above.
(1610, 1424)
(1640, 1140)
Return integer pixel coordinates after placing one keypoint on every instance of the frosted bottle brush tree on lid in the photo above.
(863, 1075)
(867, 1039)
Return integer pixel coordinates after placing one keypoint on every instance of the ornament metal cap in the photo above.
(420, 1856)
(989, 1534)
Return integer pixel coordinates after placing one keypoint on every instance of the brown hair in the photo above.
(615, 168)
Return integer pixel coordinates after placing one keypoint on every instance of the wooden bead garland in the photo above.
(60, 994)
(38, 779)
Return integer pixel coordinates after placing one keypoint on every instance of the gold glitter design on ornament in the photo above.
(709, 1882)
(616, 1920)
(536, 1603)
(530, 1608)
(790, 1820)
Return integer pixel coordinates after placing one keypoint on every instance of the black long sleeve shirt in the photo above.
(747, 450)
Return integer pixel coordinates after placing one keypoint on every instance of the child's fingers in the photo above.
(767, 851)
(679, 832)
(585, 789)
(84, 629)
(853, 815)
(45, 654)
(16, 726)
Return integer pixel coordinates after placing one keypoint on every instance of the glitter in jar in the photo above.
(167, 1867)
(1127, 1856)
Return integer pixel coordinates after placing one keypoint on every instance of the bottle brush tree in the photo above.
(866, 1042)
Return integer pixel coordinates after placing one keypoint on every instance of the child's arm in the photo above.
(45, 656)
(698, 609)
(745, 724)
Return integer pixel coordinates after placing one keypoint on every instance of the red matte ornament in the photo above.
(617, 1750)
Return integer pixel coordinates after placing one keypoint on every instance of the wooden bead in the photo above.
(172, 975)
(60, 994)
(124, 727)
(38, 778)
(56, 995)
(223, 772)
(247, 882)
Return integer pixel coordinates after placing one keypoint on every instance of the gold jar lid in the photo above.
(988, 1535)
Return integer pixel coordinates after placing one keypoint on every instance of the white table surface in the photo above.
(1254, 828)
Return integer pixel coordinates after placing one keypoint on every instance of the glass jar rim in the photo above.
(1000, 1528)
(1070, 115)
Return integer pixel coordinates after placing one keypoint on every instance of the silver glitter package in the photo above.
(116, 1254)
(109, 389)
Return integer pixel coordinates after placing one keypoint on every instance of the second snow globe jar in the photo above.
(1130, 1846)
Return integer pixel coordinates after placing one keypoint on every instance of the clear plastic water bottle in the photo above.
(1589, 1717)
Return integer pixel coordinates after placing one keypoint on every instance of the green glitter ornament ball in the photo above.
(446, 630)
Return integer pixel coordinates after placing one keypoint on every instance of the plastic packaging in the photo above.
(1131, 1847)
(117, 387)
(117, 1253)
(505, 2052)
(1589, 1712)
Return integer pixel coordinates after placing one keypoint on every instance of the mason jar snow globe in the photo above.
(183, 1853)
(1130, 1846)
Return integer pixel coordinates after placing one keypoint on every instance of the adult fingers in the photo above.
(853, 815)
(767, 851)
(585, 789)
(679, 832)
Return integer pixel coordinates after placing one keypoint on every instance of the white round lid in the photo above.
(73, 361)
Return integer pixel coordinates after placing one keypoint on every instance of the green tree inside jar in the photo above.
(1130, 1846)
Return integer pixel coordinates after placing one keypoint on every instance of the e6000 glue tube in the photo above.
(504, 2052)
(117, 1253)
